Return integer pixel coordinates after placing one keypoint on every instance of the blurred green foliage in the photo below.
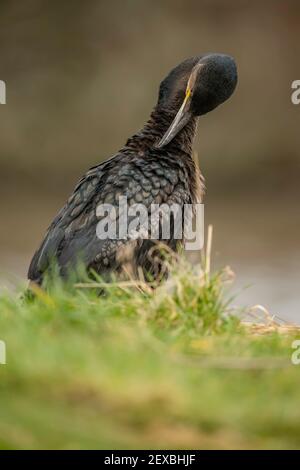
(133, 369)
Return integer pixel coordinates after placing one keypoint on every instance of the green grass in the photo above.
(132, 368)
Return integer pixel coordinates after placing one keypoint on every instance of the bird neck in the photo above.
(156, 126)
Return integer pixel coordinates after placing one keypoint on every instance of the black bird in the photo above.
(155, 166)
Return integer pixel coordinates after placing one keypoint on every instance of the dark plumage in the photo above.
(155, 166)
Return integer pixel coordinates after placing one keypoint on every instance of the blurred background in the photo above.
(83, 76)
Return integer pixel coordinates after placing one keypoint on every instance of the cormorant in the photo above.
(154, 167)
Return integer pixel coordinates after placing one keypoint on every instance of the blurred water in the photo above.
(258, 237)
(273, 286)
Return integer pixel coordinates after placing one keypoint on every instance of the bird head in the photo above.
(195, 87)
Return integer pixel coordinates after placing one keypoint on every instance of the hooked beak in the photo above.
(181, 119)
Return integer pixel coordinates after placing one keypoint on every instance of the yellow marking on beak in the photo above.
(188, 93)
(180, 120)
